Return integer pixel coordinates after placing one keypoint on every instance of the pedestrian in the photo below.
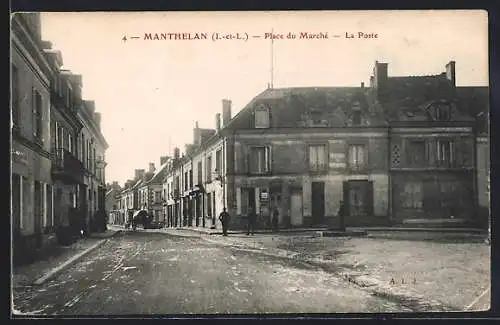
(276, 218)
(251, 220)
(341, 214)
(224, 218)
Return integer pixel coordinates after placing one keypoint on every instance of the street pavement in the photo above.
(137, 273)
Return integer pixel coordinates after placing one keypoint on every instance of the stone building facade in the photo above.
(31, 182)
(49, 161)
(400, 151)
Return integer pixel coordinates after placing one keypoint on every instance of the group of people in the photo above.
(225, 219)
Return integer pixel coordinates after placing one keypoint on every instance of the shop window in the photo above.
(412, 196)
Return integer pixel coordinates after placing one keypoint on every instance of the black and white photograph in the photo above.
(249, 163)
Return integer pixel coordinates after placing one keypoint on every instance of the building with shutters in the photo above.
(32, 212)
(404, 150)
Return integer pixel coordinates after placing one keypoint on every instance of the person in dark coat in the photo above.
(341, 214)
(275, 220)
(224, 218)
(252, 218)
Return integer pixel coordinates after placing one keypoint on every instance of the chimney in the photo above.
(217, 122)
(152, 167)
(450, 72)
(97, 118)
(90, 105)
(46, 45)
(196, 134)
(163, 159)
(362, 85)
(139, 173)
(380, 74)
(226, 112)
(176, 153)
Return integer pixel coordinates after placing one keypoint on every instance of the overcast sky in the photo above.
(150, 92)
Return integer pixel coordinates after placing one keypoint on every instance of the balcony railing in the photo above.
(66, 165)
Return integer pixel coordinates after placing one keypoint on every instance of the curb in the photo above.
(67, 263)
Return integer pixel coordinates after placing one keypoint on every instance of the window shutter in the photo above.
(268, 159)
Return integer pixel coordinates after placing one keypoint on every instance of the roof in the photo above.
(294, 107)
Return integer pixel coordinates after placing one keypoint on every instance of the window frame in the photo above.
(37, 113)
(410, 157)
(262, 109)
(359, 165)
(322, 167)
(267, 160)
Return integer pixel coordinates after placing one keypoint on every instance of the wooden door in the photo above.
(318, 202)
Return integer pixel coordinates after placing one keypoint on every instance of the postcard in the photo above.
(249, 163)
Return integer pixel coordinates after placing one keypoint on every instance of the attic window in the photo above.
(443, 112)
(261, 117)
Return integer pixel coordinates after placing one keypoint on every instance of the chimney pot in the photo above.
(151, 167)
(362, 85)
(226, 112)
(450, 72)
(217, 122)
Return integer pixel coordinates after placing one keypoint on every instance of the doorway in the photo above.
(296, 208)
(318, 202)
(358, 198)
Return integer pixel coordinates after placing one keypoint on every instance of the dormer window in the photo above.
(262, 116)
(443, 112)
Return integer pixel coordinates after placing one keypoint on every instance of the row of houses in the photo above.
(57, 148)
(403, 150)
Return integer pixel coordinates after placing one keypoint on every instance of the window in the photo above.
(416, 153)
(209, 204)
(356, 157)
(93, 161)
(200, 172)
(158, 197)
(70, 143)
(443, 112)
(317, 158)
(356, 117)
(190, 178)
(261, 116)
(26, 186)
(209, 169)
(260, 160)
(15, 96)
(48, 206)
(445, 152)
(218, 161)
(37, 115)
(412, 196)
(185, 181)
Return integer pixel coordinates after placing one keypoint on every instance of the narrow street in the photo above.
(151, 273)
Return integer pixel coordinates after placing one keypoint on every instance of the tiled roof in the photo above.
(290, 105)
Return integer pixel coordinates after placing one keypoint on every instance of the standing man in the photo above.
(341, 214)
(252, 217)
(276, 218)
(224, 218)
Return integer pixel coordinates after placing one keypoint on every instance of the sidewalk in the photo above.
(57, 258)
(422, 275)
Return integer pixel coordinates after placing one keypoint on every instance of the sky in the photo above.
(151, 92)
